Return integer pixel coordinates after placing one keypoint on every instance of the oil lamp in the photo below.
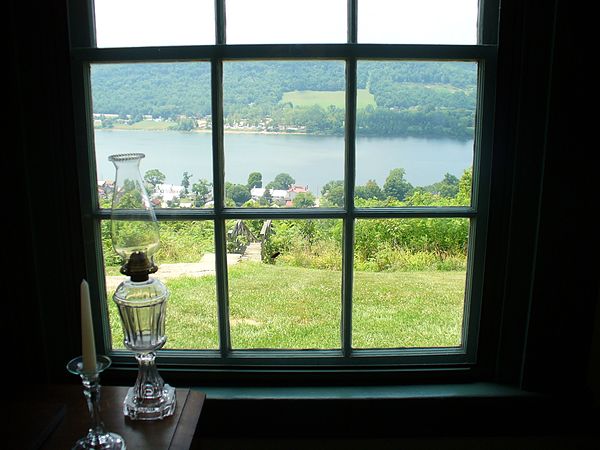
(141, 300)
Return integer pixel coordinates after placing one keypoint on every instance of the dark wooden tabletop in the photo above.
(58, 417)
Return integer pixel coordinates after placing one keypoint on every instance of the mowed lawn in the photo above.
(327, 98)
(147, 125)
(287, 307)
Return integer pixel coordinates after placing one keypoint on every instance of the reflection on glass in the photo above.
(409, 282)
(143, 23)
(284, 126)
(162, 110)
(417, 21)
(187, 267)
(286, 22)
(284, 283)
(420, 128)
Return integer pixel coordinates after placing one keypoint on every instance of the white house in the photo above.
(276, 194)
(168, 192)
(280, 194)
(257, 193)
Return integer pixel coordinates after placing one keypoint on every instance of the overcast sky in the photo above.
(121, 23)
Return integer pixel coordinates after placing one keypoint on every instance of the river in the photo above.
(311, 160)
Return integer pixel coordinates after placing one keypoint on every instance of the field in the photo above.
(298, 308)
(148, 125)
(327, 98)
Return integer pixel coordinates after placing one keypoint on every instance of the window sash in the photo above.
(351, 52)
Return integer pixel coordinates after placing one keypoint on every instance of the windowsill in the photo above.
(429, 391)
(489, 409)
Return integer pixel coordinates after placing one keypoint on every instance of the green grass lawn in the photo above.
(146, 125)
(327, 98)
(275, 306)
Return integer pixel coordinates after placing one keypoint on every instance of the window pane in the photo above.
(161, 110)
(144, 23)
(285, 283)
(417, 21)
(409, 282)
(284, 125)
(415, 143)
(286, 22)
(186, 265)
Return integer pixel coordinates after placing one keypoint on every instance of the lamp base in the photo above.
(137, 408)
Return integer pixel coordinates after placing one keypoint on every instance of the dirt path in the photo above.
(206, 266)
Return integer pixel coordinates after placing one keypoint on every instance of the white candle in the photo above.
(88, 346)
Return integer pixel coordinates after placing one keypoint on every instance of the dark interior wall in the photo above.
(542, 233)
(44, 218)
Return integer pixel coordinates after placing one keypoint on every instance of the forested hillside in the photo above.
(432, 99)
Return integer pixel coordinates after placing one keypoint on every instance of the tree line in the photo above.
(380, 244)
(396, 191)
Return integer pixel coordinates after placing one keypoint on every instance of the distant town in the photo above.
(185, 123)
(165, 195)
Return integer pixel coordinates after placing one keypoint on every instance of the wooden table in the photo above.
(58, 417)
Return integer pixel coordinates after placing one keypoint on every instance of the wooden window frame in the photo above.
(461, 360)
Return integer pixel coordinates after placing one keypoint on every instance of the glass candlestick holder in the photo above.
(97, 437)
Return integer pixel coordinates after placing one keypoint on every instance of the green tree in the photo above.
(266, 199)
(333, 193)
(239, 193)
(254, 180)
(304, 200)
(129, 197)
(395, 185)
(281, 181)
(369, 191)
(202, 191)
(448, 186)
(185, 124)
(185, 182)
(463, 198)
(154, 177)
(108, 123)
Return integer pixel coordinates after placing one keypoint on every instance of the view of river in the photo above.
(311, 160)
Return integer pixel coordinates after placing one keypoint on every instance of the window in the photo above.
(331, 181)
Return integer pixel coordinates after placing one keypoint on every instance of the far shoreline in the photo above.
(208, 131)
(277, 133)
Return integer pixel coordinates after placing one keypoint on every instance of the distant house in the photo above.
(279, 195)
(168, 192)
(295, 189)
(105, 187)
(276, 194)
(257, 193)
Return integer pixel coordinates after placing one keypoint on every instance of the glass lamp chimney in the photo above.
(134, 228)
